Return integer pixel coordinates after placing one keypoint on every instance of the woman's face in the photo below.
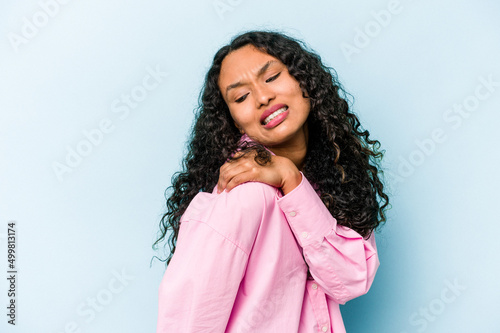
(264, 100)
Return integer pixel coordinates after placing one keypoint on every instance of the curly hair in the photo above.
(341, 159)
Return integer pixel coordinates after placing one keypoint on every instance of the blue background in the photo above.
(407, 63)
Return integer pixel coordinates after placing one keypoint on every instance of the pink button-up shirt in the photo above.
(242, 258)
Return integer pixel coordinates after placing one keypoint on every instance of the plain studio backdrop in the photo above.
(96, 101)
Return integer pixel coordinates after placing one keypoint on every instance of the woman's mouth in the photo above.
(274, 115)
(275, 118)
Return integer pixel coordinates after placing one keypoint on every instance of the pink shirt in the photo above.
(240, 264)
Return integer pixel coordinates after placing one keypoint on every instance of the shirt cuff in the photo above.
(306, 214)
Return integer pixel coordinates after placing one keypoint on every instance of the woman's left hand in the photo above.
(281, 172)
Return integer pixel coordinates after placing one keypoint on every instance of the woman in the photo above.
(272, 218)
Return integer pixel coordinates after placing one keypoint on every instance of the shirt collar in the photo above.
(246, 138)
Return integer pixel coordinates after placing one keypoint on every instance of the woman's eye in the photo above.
(241, 99)
(272, 78)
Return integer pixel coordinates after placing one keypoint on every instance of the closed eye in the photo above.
(272, 78)
(241, 99)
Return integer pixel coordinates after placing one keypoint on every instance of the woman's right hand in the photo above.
(281, 172)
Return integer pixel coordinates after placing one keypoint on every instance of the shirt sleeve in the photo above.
(201, 282)
(339, 259)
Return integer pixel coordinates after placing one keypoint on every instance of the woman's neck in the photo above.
(294, 151)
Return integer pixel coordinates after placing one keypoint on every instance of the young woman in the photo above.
(272, 218)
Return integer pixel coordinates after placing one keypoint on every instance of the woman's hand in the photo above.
(280, 172)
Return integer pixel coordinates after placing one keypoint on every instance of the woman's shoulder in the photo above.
(249, 197)
(236, 214)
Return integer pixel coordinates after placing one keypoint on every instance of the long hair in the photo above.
(341, 159)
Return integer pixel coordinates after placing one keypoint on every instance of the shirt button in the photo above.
(292, 214)
(305, 234)
(314, 286)
(324, 328)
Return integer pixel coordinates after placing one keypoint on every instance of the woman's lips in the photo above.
(277, 119)
(270, 111)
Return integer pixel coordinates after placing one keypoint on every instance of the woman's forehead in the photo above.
(245, 60)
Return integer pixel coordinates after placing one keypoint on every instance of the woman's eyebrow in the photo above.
(260, 72)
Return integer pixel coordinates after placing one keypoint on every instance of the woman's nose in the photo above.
(263, 95)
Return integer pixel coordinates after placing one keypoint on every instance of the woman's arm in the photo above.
(199, 286)
(201, 282)
(339, 259)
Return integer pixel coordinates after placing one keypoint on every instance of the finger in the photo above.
(244, 155)
(231, 163)
(239, 179)
(232, 167)
(236, 155)
(222, 171)
(223, 176)
(225, 173)
(229, 173)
